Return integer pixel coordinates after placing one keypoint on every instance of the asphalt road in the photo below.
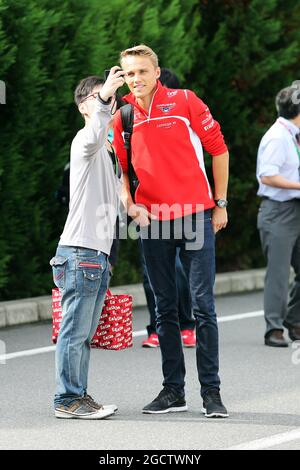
(260, 387)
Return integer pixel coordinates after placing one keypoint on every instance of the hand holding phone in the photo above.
(114, 80)
(106, 73)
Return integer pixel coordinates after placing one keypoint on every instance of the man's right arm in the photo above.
(270, 162)
(94, 133)
(278, 181)
(121, 152)
(126, 197)
(138, 213)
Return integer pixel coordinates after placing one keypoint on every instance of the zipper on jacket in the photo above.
(150, 109)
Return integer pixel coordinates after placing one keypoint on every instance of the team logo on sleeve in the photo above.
(209, 125)
(172, 93)
(166, 108)
(207, 119)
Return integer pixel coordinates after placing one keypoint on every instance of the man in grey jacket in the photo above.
(278, 167)
(80, 266)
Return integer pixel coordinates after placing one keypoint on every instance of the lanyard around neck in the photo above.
(296, 143)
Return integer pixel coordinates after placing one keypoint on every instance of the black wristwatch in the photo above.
(222, 203)
(102, 101)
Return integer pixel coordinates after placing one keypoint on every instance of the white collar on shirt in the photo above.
(290, 125)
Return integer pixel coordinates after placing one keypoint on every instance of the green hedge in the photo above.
(235, 54)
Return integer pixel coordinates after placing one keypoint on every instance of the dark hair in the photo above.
(85, 87)
(168, 78)
(287, 102)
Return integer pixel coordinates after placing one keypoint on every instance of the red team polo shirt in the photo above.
(167, 151)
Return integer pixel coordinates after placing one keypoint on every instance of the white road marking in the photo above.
(34, 352)
(27, 352)
(139, 333)
(257, 444)
(241, 316)
(267, 442)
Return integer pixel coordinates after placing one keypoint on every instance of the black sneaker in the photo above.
(80, 409)
(213, 406)
(168, 401)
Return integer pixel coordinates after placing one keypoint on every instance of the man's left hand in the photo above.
(219, 218)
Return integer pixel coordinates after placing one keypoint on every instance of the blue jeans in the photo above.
(186, 319)
(82, 275)
(198, 260)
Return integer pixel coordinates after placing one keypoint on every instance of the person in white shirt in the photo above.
(278, 174)
(80, 265)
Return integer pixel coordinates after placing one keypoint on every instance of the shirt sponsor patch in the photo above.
(166, 108)
(166, 125)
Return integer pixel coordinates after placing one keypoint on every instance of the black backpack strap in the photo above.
(127, 114)
(127, 124)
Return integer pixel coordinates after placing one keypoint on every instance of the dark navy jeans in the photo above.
(186, 319)
(197, 254)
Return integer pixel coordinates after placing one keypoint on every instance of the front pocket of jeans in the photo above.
(58, 264)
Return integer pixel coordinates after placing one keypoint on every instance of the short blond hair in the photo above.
(142, 51)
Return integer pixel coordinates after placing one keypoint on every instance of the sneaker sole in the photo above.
(97, 415)
(111, 407)
(272, 345)
(189, 345)
(150, 345)
(214, 415)
(176, 409)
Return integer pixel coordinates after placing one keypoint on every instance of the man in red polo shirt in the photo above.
(174, 207)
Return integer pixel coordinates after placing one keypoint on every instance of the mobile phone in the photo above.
(106, 73)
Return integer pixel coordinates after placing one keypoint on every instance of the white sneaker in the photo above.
(80, 409)
(90, 400)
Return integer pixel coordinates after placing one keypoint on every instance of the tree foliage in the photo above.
(235, 54)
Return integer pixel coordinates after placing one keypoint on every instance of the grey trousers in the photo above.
(279, 227)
